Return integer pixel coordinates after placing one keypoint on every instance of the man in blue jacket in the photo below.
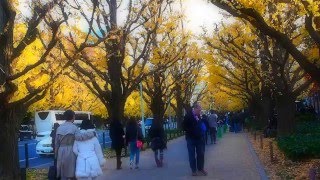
(193, 130)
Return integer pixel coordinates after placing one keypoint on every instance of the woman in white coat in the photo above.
(89, 155)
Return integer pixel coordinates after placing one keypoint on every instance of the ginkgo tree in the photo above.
(259, 70)
(237, 71)
(187, 72)
(306, 12)
(17, 36)
(28, 44)
(123, 54)
(167, 48)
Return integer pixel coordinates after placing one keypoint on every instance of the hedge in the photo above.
(304, 143)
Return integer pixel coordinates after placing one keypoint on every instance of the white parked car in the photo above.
(44, 146)
(25, 132)
(43, 135)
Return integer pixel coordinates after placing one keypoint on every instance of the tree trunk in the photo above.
(158, 109)
(285, 107)
(9, 161)
(157, 105)
(256, 108)
(116, 109)
(266, 99)
(179, 109)
(179, 113)
(117, 96)
(9, 114)
(266, 109)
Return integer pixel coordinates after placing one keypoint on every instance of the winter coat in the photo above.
(66, 134)
(116, 135)
(89, 157)
(133, 133)
(205, 121)
(53, 138)
(192, 126)
(158, 137)
(212, 120)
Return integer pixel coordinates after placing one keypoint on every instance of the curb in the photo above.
(256, 160)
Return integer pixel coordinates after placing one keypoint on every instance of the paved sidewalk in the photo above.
(231, 158)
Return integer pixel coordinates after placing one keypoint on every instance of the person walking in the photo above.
(53, 140)
(194, 137)
(158, 141)
(213, 125)
(66, 134)
(205, 128)
(53, 134)
(236, 120)
(89, 155)
(134, 140)
(117, 137)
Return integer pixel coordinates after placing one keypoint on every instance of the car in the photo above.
(43, 135)
(25, 132)
(44, 147)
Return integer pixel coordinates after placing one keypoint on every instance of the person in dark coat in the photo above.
(133, 134)
(204, 119)
(53, 140)
(117, 138)
(53, 134)
(158, 141)
(192, 125)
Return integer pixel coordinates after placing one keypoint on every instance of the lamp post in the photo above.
(142, 111)
(169, 115)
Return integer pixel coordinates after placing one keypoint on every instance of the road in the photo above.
(36, 161)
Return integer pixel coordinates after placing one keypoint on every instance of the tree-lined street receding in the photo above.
(256, 64)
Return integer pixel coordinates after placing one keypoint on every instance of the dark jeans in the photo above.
(158, 154)
(134, 152)
(213, 134)
(205, 137)
(196, 154)
(237, 127)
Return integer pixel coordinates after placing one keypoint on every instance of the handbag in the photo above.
(139, 143)
(52, 172)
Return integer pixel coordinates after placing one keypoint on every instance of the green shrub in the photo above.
(307, 127)
(307, 117)
(305, 143)
(300, 146)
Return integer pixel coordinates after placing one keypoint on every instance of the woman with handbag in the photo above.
(52, 174)
(158, 141)
(134, 139)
